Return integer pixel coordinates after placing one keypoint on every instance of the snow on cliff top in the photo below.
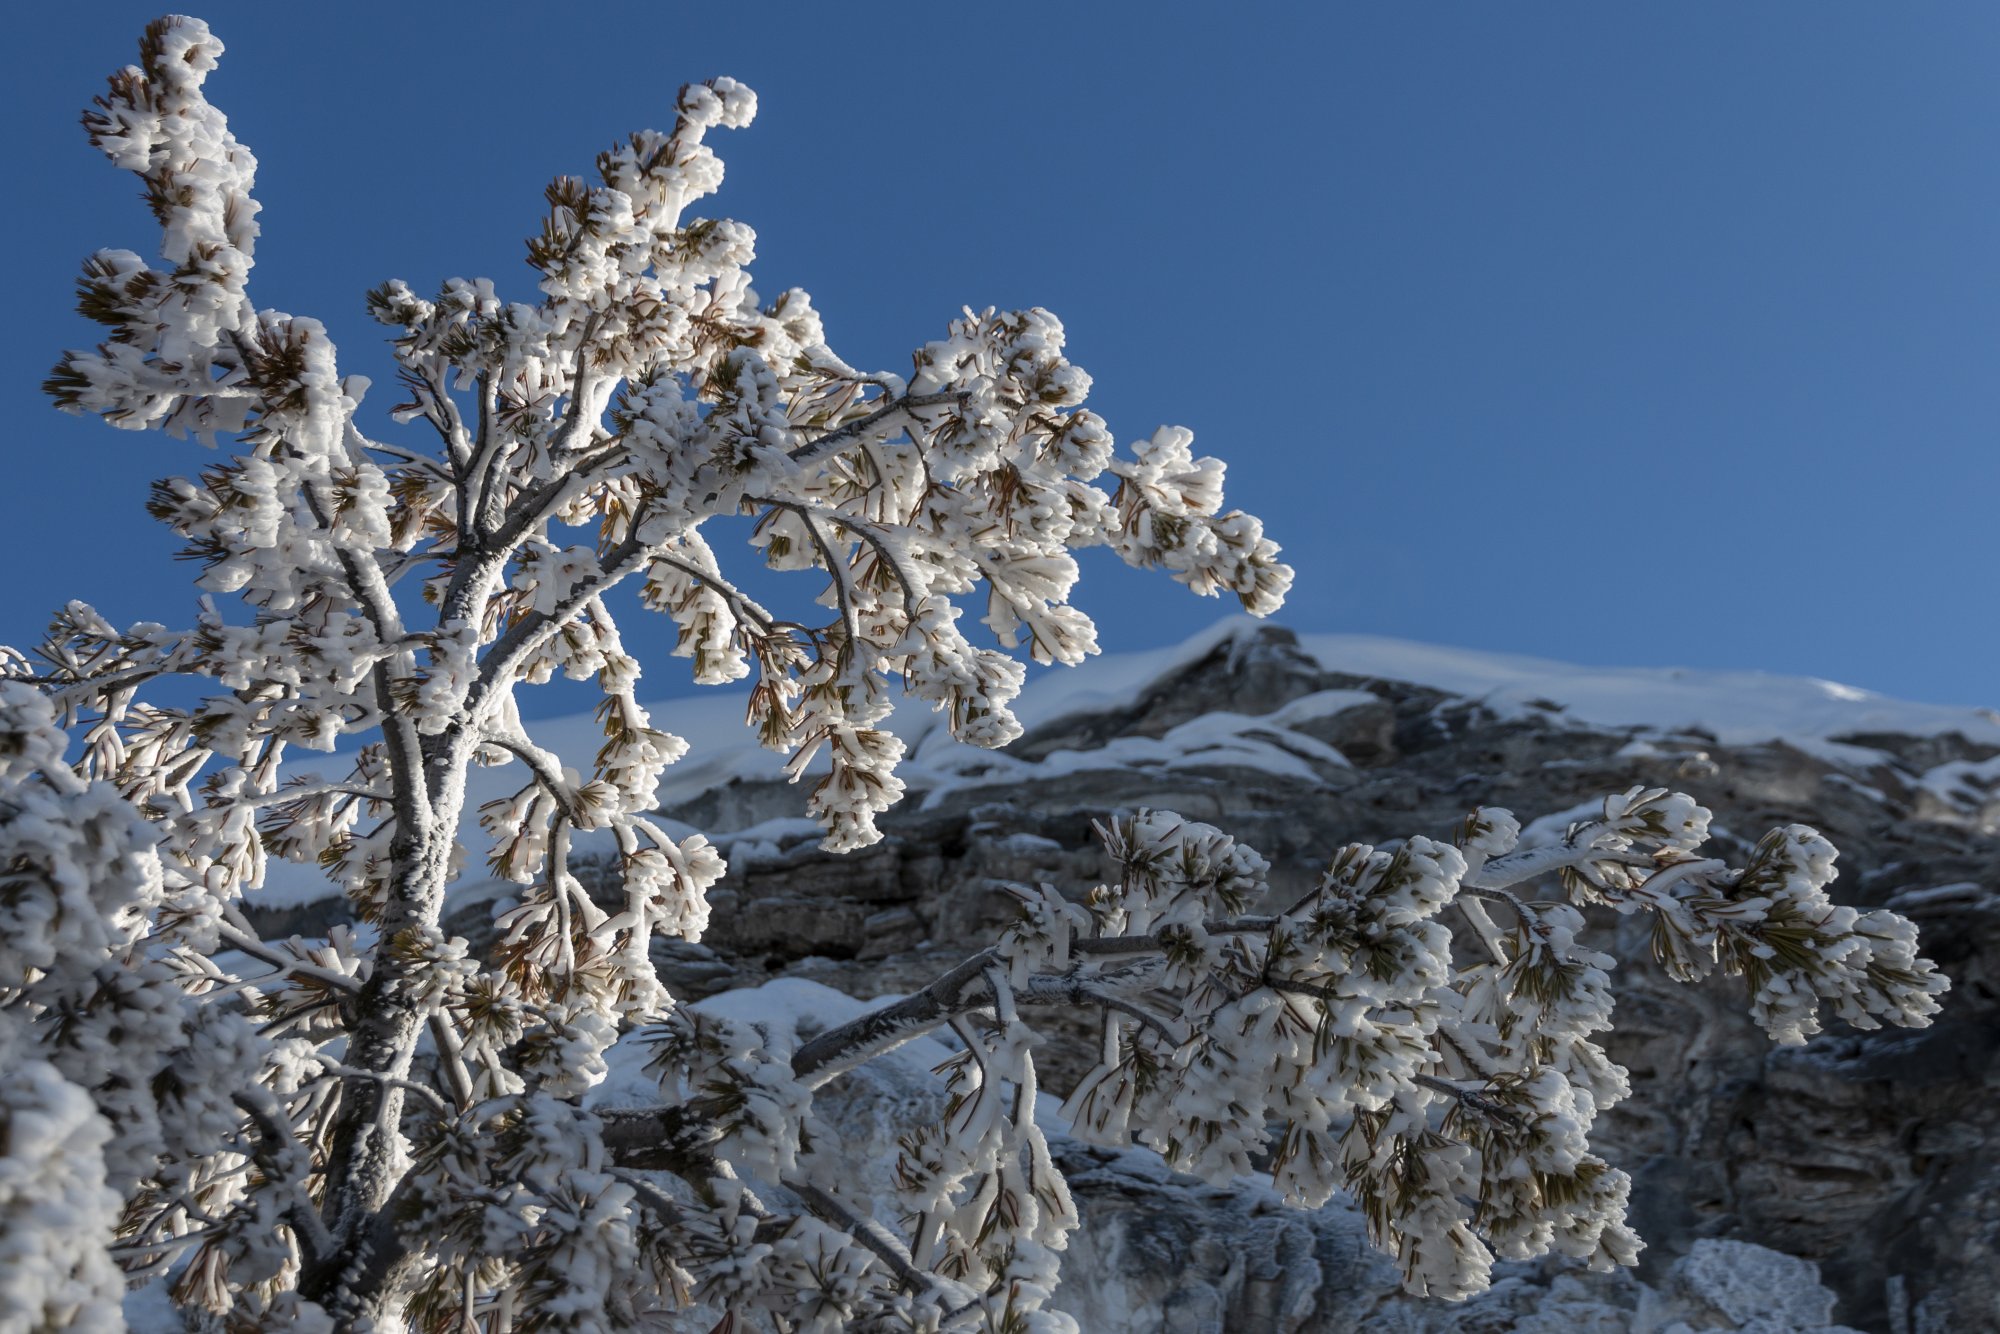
(1735, 707)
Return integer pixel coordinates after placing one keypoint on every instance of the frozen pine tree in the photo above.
(385, 1129)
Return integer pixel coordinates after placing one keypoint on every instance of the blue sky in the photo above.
(1618, 334)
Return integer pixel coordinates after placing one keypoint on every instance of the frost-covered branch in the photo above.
(1422, 1084)
(386, 1126)
(826, 1056)
(881, 420)
(642, 392)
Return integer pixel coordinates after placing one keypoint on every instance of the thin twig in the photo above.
(1477, 1100)
(875, 420)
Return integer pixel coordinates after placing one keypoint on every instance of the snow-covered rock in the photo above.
(1875, 1157)
(1735, 1285)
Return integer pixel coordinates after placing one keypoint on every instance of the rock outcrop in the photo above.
(1875, 1157)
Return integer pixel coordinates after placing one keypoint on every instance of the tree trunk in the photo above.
(367, 1159)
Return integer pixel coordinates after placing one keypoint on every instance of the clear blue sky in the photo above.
(1658, 334)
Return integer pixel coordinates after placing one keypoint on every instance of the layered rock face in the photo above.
(1875, 1157)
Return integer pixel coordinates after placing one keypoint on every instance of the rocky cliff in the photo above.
(1875, 1157)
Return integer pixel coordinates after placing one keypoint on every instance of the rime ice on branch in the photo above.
(385, 1127)
(392, 597)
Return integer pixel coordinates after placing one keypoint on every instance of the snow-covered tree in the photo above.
(386, 1128)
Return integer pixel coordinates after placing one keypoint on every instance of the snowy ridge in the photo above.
(1736, 708)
